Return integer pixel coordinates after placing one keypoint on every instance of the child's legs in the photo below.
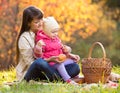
(68, 61)
(62, 71)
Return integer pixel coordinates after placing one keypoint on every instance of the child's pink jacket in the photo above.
(53, 47)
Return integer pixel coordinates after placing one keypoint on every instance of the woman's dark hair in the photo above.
(29, 14)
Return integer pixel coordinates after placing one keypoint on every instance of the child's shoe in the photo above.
(72, 82)
(79, 79)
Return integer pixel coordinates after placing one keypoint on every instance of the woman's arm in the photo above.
(26, 50)
(66, 49)
(74, 57)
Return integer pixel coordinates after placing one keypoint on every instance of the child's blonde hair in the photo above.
(50, 24)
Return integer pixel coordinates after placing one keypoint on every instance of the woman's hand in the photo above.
(54, 59)
(76, 58)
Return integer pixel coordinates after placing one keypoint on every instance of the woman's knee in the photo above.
(77, 67)
(73, 69)
(40, 62)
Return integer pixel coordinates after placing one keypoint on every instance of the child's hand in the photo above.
(40, 43)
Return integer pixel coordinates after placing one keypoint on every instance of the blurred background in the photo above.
(82, 23)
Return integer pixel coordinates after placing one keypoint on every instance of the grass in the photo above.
(56, 87)
(6, 76)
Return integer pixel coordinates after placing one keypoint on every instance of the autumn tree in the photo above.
(78, 20)
(8, 31)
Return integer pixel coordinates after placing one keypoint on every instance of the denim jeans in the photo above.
(41, 70)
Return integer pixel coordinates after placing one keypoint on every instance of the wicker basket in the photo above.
(96, 70)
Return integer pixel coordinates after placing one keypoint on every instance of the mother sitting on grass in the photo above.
(28, 67)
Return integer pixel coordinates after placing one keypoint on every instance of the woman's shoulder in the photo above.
(26, 39)
(27, 33)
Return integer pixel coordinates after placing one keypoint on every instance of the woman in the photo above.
(28, 67)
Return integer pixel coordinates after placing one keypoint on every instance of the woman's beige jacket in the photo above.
(26, 44)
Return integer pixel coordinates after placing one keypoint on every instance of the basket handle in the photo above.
(90, 52)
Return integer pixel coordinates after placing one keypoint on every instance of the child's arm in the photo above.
(38, 49)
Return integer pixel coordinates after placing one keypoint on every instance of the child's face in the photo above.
(36, 24)
(53, 33)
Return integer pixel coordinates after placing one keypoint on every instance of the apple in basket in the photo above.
(61, 58)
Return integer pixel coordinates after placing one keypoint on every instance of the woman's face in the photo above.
(36, 24)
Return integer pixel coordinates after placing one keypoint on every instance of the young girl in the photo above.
(49, 45)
